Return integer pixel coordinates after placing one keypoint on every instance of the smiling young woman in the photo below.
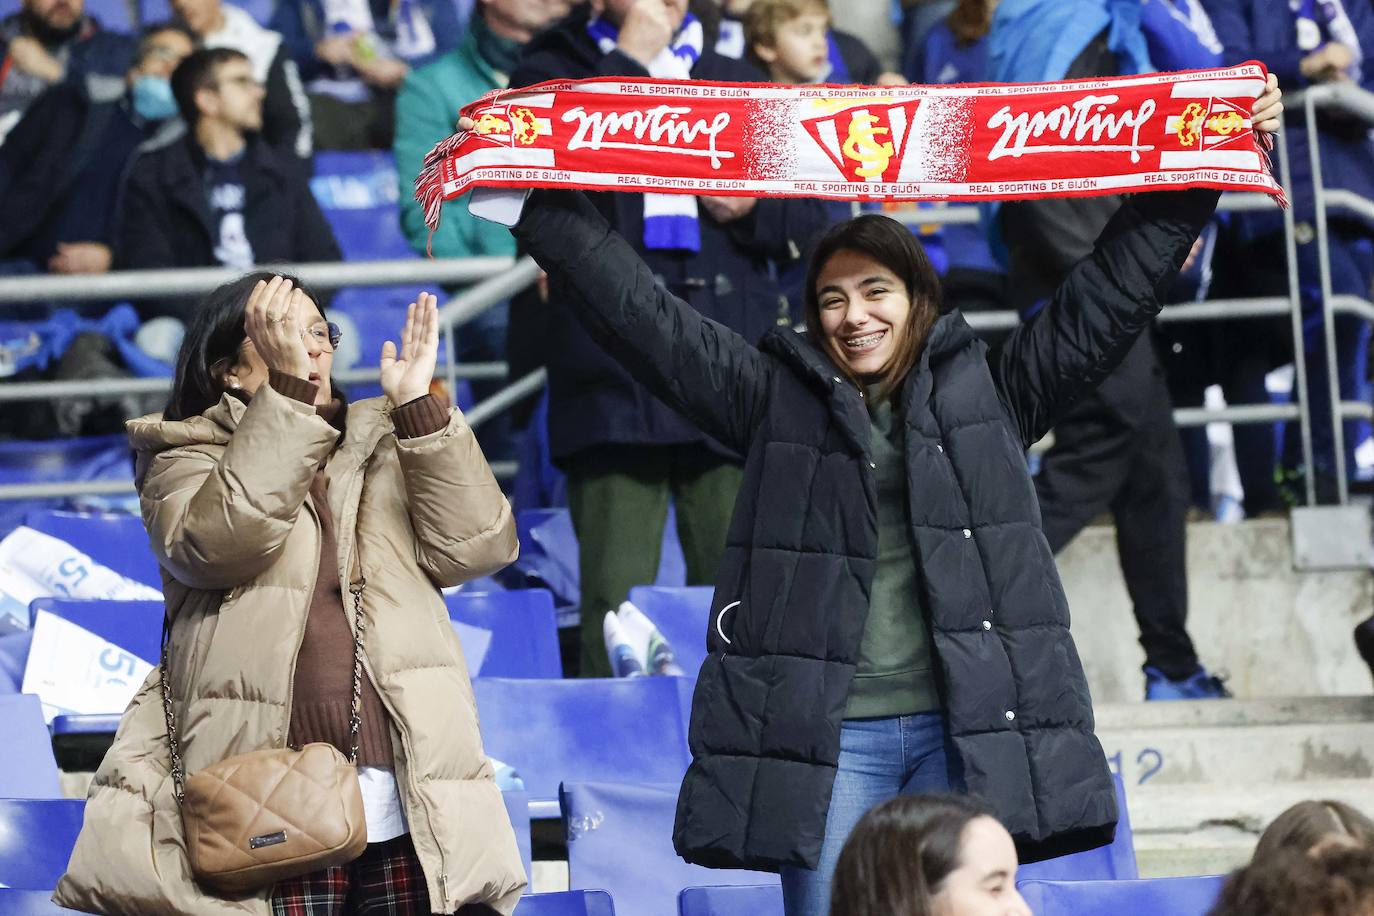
(887, 619)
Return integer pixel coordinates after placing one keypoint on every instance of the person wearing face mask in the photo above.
(217, 194)
(928, 855)
(62, 165)
(49, 41)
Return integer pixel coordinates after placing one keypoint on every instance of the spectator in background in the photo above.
(624, 451)
(428, 105)
(218, 194)
(1337, 882)
(61, 167)
(1310, 827)
(928, 855)
(956, 52)
(425, 111)
(1117, 450)
(48, 41)
(794, 43)
(354, 55)
(285, 110)
(1309, 43)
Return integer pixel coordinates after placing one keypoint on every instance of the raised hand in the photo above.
(273, 324)
(1265, 115)
(407, 376)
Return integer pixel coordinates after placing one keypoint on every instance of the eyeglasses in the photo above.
(326, 335)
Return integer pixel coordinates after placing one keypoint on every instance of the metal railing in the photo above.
(497, 279)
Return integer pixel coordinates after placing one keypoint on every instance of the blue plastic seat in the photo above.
(135, 626)
(567, 903)
(591, 730)
(29, 903)
(358, 192)
(117, 541)
(27, 767)
(744, 900)
(524, 631)
(1113, 862)
(1141, 897)
(682, 615)
(36, 840)
(620, 838)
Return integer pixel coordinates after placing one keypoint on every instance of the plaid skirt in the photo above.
(386, 880)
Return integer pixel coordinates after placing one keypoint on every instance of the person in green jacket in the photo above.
(426, 109)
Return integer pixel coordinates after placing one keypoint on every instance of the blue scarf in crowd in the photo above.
(671, 221)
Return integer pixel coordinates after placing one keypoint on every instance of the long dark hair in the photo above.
(212, 342)
(900, 853)
(892, 245)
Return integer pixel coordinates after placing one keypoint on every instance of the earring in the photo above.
(235, 385)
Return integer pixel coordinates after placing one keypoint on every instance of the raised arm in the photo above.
(702, 369)
(1108, 298)
(462, 521)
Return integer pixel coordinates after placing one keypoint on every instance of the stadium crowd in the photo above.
(191, 137)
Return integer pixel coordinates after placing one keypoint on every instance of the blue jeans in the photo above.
(879, 759)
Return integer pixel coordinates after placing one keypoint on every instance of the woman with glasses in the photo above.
(286, 521)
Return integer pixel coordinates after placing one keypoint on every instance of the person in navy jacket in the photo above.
(1309, 43)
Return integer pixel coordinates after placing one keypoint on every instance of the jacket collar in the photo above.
(183, 179)
(951, 334)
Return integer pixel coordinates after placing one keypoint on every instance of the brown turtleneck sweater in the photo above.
(322, 693)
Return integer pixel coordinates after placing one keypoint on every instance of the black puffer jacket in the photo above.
(792, 592)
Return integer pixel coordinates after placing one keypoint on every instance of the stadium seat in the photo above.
(57, 460)
(1141, 897)
(79, 742)
(744, 900)
(117, 541)
(36, 840)
(682, 616)
(592, 730)
(620, 838)
(358, 192)
(1113, 862)
(29, 903)
(567, 903)
(518, 809)
(524, 632)
(548, 555)
(27, 767)
(135, 626)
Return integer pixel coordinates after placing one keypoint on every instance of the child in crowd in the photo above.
(793, 42)
(921, 855)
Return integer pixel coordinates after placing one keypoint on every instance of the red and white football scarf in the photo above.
(962, 142)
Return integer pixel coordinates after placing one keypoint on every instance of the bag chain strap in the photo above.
(355, 721)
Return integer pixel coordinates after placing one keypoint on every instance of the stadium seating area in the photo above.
(600, 758)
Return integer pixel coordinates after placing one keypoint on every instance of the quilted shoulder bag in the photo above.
(254, 819)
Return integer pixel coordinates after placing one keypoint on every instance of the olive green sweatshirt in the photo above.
(895, 676)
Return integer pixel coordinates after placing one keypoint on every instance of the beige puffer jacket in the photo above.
(224, 498)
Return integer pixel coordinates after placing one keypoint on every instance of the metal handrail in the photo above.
(192, 281)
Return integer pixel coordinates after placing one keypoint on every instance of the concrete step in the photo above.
(1212, 851)
(1178, 809)
(1252, 755)
(1232, 713)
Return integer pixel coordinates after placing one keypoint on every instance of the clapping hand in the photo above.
(407, 376)
(273, 325)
